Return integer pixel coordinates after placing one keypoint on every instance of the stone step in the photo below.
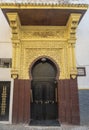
(44, 123)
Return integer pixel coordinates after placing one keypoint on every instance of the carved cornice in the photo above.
(43, 6)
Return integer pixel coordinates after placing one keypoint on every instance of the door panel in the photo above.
(44, 106)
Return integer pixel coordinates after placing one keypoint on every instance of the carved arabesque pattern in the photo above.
(59, 34)
(31, 54)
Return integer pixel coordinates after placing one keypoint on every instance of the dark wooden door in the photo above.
(43, 86)
(44, 105)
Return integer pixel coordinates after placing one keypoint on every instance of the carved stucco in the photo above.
(32, 42)
(25, 5)
(31, 54)
(44, 34)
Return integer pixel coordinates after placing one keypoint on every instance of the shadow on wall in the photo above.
(84, 106)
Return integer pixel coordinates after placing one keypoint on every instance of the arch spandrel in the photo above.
(36, 53)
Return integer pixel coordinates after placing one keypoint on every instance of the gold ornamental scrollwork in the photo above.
(31, 42)
(43, 34)
(31, 54)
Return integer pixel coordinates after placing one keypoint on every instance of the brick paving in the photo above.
(26, 127)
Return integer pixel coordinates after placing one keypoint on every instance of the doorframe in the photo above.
(57, 75)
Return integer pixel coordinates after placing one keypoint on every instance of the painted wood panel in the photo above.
(15, 102)
(68, 101)
(27, 101)
(21, 101)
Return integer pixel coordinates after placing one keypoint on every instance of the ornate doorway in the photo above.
(44, 90)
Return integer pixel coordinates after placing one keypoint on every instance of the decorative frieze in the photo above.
(39, 34)
(45, 5)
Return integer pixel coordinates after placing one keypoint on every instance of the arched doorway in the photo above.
(44, 90)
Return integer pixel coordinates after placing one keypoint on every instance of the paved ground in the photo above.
(26, 127)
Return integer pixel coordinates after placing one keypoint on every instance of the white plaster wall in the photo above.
(5, 50)
(5, 46)
(82, 49)
(5, 74)
(5, 38)
(5, 31)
